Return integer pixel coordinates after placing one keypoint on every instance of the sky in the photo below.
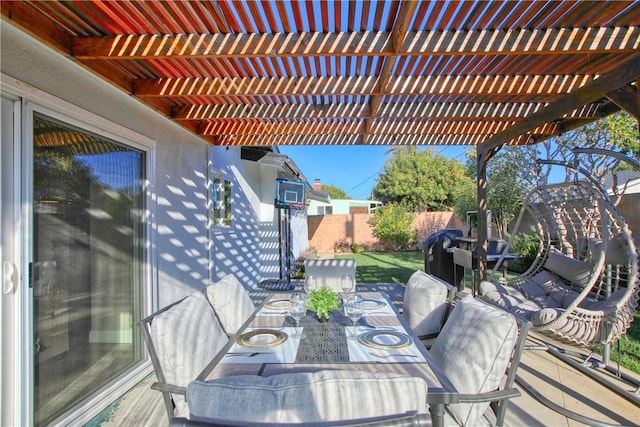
(352, 168)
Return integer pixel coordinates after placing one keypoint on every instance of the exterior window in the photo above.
(325, 210)
(88, 263)
(221, 202)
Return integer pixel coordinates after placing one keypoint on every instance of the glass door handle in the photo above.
(9, 270)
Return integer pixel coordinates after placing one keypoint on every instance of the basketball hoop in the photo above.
(297, 209)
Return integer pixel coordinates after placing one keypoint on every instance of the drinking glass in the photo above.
(309, 283)
(297, 310)
(354, 311)
(346, 283)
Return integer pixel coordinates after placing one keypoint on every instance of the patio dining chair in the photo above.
(478, 345)
(426, 303)
(231, 302)
(325, 397)
(181, 339)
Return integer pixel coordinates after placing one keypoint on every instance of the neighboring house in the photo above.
(623, 182)
(109, 212)
(340, 206)
(627, 184)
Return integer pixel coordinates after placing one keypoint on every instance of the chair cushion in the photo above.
(474, 349)
(231, 301)
(425, 302)
(576, 272)
(186, 338)
(511, 299)
(305, 396)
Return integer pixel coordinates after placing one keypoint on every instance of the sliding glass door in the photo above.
(88, 269)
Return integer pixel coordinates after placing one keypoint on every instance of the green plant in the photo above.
(310, 253)
(393, 225)
(322, 301)
(357, 248)
(526, 246)
(342, 245)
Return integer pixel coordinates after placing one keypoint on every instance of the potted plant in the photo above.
(322, 301)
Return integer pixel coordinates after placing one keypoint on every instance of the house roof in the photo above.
(287, 168)
(621, 179)
(266, 73)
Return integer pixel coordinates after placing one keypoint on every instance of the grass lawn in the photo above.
(379, 267)
(382, 267)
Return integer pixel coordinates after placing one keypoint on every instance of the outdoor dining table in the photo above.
(325, 346)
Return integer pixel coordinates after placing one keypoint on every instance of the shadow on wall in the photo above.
(182, 238)
(237, 249)
(248, 248)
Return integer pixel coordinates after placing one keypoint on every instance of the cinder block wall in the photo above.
(326, 230)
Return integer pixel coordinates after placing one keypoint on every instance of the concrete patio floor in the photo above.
(553, 378)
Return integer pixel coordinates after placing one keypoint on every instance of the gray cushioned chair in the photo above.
(427, 299)
(478, 345)
(181, 339)
(331, 397)
(231, 302)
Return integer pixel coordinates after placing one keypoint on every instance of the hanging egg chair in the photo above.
(583, 285)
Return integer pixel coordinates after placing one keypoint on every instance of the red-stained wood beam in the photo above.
(625, 73)
(547, 41)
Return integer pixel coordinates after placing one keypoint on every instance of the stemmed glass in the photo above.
(354, 311)
(297, 310)
(346, 283)
(309, 283)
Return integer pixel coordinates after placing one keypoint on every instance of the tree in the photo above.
(617, 132)
(507, 185)
(335, 192)
(420, 180)
(393, 225)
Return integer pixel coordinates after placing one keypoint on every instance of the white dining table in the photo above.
(325, 346)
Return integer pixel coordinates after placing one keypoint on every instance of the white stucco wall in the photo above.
(181, 171)
(237, 249)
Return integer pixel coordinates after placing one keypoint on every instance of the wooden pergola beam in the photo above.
(354, 139)
(395, 127)
(398, 35)
(626, 98)
(353, 111)
(548, 41)
(627, 72)
(315, 86)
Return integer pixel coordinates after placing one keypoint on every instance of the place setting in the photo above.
(276, 307)
(388, 344)
(271, 345)
(264, 345)
(377, 306)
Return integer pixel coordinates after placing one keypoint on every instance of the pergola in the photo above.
(265, 73)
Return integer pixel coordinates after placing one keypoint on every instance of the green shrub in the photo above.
(357, 248)
(393, 225)
(526, 246)
(342, 245)
(298, 269)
